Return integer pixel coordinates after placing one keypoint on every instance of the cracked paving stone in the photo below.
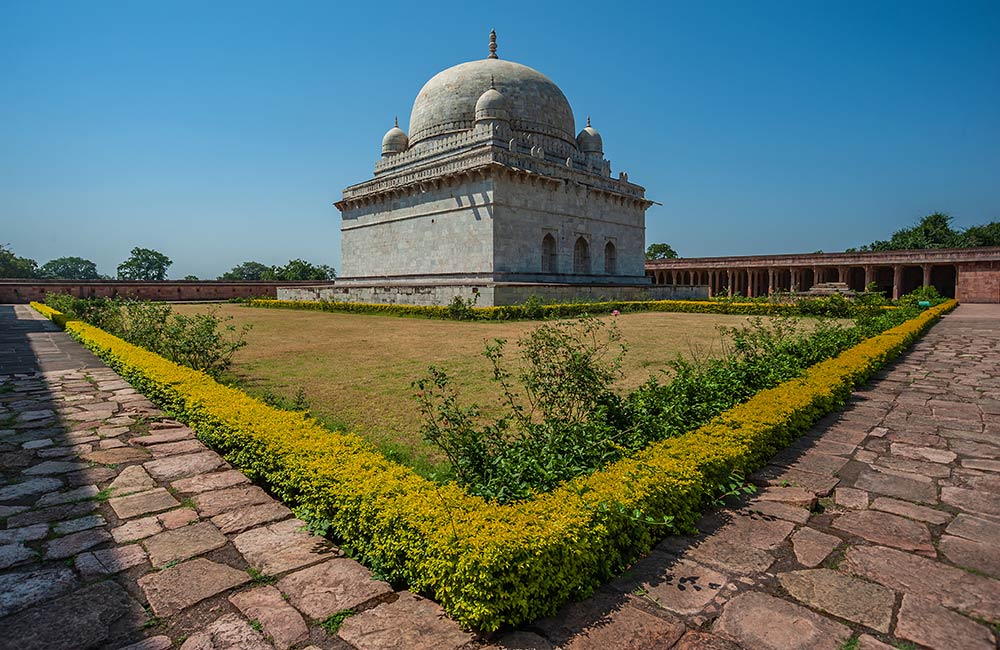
(971, 501)
(908, 573)
(888, 530)
(983, 557)
(175, 467)
(216, 502)
(281, 622)
(913, 511)
(206, 482)
(974, 528)
(136, 529)
(763, 622)
(811, 547)
(849, 598)
(176, 588)
(183, 543)
(131, 479)
(236, 521)
(896, 486)
(230, 632)
(410, 622)
(679, 585)
(325, 589)
(282, 547)
(143, 503)
(109, 561)
(931, 625)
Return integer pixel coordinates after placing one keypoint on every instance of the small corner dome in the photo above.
(491, 105)
(589, 140)
(394, 141)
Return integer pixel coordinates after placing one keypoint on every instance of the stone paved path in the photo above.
(880, 526)
(119, 529)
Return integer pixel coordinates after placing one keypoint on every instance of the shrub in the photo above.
(921, 294)
(203, 341)
(555, 427)
(564, 420)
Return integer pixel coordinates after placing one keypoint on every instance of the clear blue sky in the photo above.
(218, 132)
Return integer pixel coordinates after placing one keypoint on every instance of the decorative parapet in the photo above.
(483, 151)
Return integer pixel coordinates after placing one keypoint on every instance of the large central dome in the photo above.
(447, 103)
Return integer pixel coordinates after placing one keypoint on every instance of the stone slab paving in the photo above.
(879, 527)
(118, 529)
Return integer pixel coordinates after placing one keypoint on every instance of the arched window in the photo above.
(581, 256)
(550, 262)
(610, 258)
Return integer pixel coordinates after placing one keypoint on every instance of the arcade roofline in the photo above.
(874, 258)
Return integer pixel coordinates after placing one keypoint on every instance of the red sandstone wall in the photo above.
(979, 282)
(22, 291)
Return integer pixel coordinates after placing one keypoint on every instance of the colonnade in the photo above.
(752, 281)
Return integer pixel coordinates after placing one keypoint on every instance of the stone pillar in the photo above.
(816, 272)
(897, 281)
(842, 274)
(711, 283)
(770, 281)
(729, 275)
(927, 274)
(869, 275)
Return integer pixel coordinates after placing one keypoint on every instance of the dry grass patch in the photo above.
(355, 369)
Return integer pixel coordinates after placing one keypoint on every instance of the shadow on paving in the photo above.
(50, 507)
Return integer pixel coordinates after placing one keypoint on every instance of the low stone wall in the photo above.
(979, 282)
(488, 295)
(24, 291)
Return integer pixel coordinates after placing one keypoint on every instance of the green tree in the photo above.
(12, 266)
(190, 277)
(70, 268)
(300, 270)
(985, 235)
(246, 271)
(660, 252)
(933, 231)
(144, 264)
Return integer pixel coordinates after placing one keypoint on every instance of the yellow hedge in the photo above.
(490, 564)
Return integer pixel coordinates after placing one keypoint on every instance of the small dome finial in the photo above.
(395, 121)
(493, 83)
(493, 45)
(588, 120)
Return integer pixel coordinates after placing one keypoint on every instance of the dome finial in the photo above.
(493, 83)
(395, 121)
(588, 120)
(493, 45)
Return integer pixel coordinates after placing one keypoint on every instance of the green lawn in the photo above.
(355, 370)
